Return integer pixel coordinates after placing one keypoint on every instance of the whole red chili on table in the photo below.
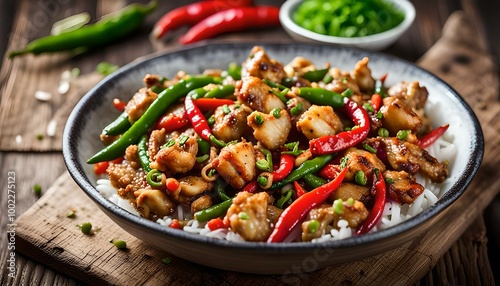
(379, 188)
(192, 14)
(232, 20)
(297, 211)
(333, 143)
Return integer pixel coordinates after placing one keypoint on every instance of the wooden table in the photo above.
(30, 167)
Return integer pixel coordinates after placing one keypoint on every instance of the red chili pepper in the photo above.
(379, 188)
(376, 102)
(175, 224)
(299, 190)
(209, 104)
(192, 14)
(171, 122)
(330, 171)
(172, 184)
(216, 223)
(232, 20)
(287, 162)
(251, 187)
(298, 210)
(432, 136)
(197, 119)
(101, 167)
(119, 104)
(383, 78)
(333, 143)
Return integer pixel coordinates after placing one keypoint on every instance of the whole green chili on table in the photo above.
(165, 99)
(108, 30)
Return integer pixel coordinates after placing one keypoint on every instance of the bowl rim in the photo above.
(77, 172)
(289, 7)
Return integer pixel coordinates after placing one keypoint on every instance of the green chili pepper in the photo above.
(328, 79)
(202, 158)
(156, 109)
(213, 211)
(203, 146)
(221, 192)
(157, 89)
(322, 96)
(106, 31)
(221, 91)
(259, 120)
(314, 181)
(269, 159)
(197, 93)
(360, 178)
(275, 85)
(308, 167)
(296, 110)
(142, 147)
(379, 88)
(370, 148)
(276, 112)
(316, 75)
(119, 126)
(347, 93)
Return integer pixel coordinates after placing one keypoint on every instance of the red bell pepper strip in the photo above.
(297, 211)
(119, 104)
(432, 136)
(286, 165)
(379, 188)
(376, 102)
(209, 104)
(251, 187)
(192, 14)
(299, 190)
(199, 122)
(232, 20)
(333, 143)
(171, 122)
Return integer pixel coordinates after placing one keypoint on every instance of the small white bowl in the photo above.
(374, 42)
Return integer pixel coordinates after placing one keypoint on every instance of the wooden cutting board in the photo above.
(45, 234)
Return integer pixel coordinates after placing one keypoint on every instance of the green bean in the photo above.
(213, 211)
(119, 126)
(322, 96)
(142, 147)
(219, 189)
(234, 70)
(165, 99)
(308, 167)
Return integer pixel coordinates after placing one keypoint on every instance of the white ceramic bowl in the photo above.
(95, 110)
(374, 42)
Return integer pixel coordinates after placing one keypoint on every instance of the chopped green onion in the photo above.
(211, 120)
(328, 79)
(262, 180)
(170, 143)
(402, 134)
(39, 136)
(202, 158)
(217, 142)
(37, 189)
(106, 68)
(382, 132)
(343, 162)
(226, 109)
(258, 119)
(284, 199)
(243, 216)
(262, 165)
(370, 148)
(348, 92)
(86, 227)
(276, 112)
(360, 178)
(211, 172)
(338, 206)
(166, 260)
(120, 244)
(71, 214)
(380, 115)
(313, 226)
(350, 202)
(369, 107)
(294, 149)
(296, 110)
(183, 140)
(75, 72)
(389, 180)
(154, 178)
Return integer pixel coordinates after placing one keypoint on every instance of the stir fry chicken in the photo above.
(248, 216)
(254, 141)
(233, 125)
(269, 130)
(260, 65)
(257, 95)
(236, 164)
(326, 216)
(319, 121)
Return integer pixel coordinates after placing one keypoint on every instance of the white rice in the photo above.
(393, 214)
